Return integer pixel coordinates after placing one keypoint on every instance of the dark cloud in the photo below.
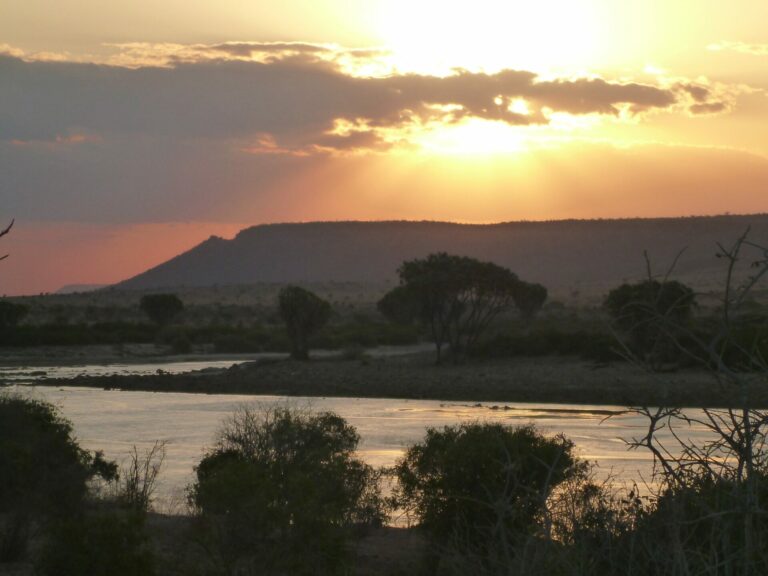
(225, 138)
(709, 108)
(296, 98)
(250, 48)
(698, 92)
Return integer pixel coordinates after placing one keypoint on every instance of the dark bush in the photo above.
(652, 315)
(463, 482)
(43, 471)
(97, 544)
(162, 309)
(596, 346)
(304, 313)
(708, 521)
(529, 298)
(283, 489)
(11, 313)
(78, 334)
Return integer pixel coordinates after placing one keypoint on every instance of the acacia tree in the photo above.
(455, 297)
(304, 313)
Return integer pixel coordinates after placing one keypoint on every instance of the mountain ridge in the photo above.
(562, 254)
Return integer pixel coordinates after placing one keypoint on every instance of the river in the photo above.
(114, 421)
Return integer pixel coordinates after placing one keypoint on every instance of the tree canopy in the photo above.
(304, 313)
(455, 297)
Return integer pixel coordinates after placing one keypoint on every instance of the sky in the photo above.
(132, 130)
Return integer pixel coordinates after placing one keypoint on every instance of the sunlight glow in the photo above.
(473, 137)
(431, 36)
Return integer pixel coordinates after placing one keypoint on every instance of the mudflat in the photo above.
(550, 379)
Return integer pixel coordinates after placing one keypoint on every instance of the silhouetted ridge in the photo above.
(563, 255)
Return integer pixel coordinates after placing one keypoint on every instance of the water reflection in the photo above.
(113, 421)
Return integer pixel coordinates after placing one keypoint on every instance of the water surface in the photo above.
(114, 421)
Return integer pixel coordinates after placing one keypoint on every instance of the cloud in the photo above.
(741, 47)
(297, 94)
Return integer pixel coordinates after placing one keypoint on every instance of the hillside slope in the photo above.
(566, 256)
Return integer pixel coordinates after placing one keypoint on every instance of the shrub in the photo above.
(652, 314)
(43, 471)
(463, 482)
(600, 347)
(529, 298)
(708, 521)
(283, 488)
(11, 313)
(137, 481)
(97, 544)
(162, 309)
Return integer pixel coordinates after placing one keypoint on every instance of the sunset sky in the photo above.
(132, 130)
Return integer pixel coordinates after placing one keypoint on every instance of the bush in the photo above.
(162, 309)
(98, 544)
(465, 482)
(652, 314)
(282, 488)
(708, 521)
(596, 346)
(11, 313)
(304, 313)
(43, 471)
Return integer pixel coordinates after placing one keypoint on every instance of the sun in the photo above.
(435, 37)
(472, 137)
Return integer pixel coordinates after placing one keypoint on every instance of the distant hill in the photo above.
(569, 256)
(79, 288)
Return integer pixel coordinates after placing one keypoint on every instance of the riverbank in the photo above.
(562, 380)
(382, 551)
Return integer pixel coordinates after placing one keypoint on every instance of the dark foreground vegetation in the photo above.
(282, 492)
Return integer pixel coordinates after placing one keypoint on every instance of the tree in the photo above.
(529, 298)
(43, 471)
(284, 486)
(710, 494)
(651, 314)
(468, 484)
(11, 313)
(3, 232)
(304, 313)
(162, 309)
(455, 297)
